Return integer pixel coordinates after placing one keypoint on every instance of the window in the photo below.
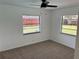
(69, 24)
(31, 24)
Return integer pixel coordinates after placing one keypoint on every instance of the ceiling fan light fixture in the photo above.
(44, 4)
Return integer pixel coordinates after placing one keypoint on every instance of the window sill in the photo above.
(31, 33)
(69, 34)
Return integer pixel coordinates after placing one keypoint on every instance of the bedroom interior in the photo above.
(39, 29)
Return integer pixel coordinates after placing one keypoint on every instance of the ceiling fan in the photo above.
(45, 4)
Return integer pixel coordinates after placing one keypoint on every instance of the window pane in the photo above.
(69, 24)
(31, 24)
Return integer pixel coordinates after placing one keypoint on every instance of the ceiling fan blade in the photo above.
(51, 6)
(43, 0)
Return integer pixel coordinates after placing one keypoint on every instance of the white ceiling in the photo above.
(33, 3)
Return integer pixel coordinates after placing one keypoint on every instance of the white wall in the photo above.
(11, 27)
(56, 26)
(77, 43)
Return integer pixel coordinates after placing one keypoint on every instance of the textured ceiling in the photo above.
(33, 3)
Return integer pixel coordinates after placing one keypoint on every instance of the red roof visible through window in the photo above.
(30, 21)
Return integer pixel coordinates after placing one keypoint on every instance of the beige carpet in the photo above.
(42, 50)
